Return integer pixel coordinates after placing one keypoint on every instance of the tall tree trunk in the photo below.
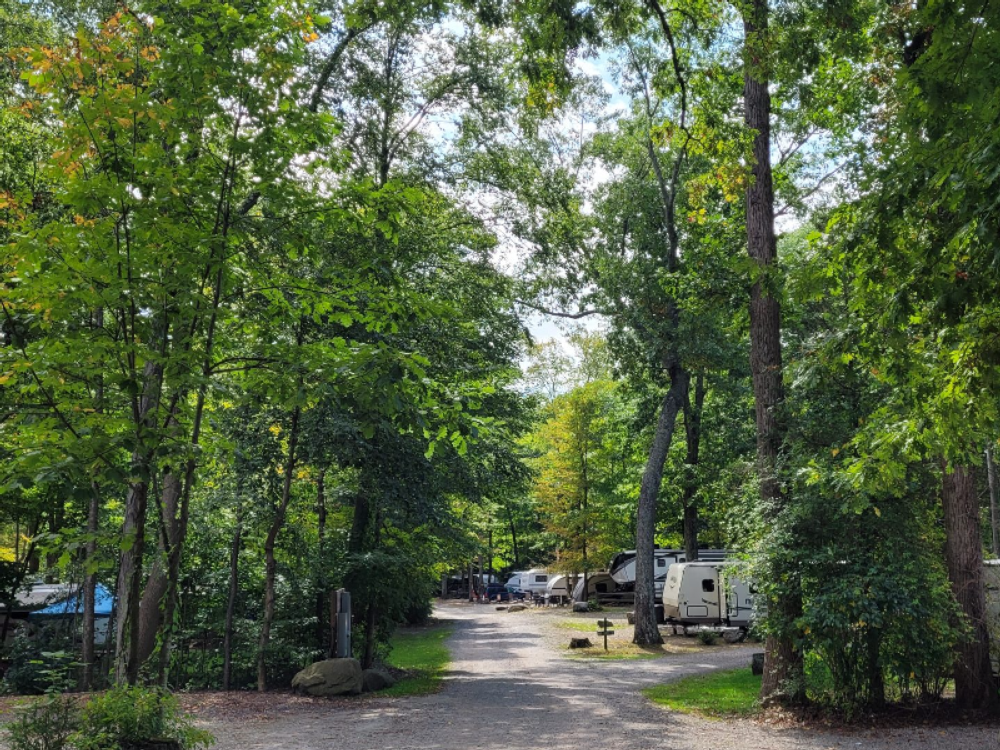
(692, 430)
(134, 530)
(647, 633)
(270, 564)
(991, 475)
(88, 655)
(234, 589)
(322, 594)
(513, 537)
(974, 686)
(150, 612)
(782, 659)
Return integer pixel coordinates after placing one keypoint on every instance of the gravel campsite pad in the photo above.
(512, 684)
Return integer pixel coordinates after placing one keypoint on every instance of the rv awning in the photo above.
(104, 602)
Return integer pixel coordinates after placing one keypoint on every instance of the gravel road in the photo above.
(507, 687)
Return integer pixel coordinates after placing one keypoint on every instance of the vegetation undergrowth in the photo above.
(123, 717)
(424, 655)
(729, 693)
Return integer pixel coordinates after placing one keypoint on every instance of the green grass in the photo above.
(730, 693)
(584, 626)
(424, 654)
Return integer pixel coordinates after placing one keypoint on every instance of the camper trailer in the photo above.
(597, 583)
(514, 582)
(535, 581)
(557, 590)
(707, 593)
(622, 566)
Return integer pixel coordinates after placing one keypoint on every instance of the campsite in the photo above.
(439, 374)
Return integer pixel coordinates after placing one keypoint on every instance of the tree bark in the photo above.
(783, 668)
(134, 530)
(234, 590)
(271, 564)
(991, 475)
(974, 687)
(88, 655)
(150, 613)
(647, 633)
(692, 430)
(322, 595)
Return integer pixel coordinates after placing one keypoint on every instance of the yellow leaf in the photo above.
(877, 511)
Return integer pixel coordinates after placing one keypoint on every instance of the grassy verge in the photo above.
(424, 654)
(729, 693)
(583, 626)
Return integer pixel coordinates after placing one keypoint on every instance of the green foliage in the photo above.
(45, 724)
(708, 637)
(126, 716)
(34, 670)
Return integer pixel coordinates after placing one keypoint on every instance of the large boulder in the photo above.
(330, 677)
(376, 679)
(581, 607)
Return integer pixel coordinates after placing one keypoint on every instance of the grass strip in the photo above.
(718, 694)
(424, 654)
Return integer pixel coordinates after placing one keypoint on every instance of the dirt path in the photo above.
(508, 688)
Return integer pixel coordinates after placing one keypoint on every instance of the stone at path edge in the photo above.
(330, 677)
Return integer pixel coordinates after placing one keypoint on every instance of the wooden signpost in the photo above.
(604, 628)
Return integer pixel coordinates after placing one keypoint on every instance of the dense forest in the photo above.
(271, 285)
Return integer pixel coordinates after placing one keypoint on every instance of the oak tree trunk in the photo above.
(647, 633)
(974, 686)
(782, 658)
(692, 429)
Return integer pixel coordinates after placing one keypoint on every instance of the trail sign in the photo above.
(604, 628)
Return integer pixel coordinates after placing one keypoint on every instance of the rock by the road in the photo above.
(516, 608)
(330, 677)
(373, 680)
(580, 643)
(581, 607)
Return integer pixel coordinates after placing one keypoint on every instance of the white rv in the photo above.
(622, 567)
(707, 593)
(514, 582)
(597, 583)
(535, 581)
(557, 589)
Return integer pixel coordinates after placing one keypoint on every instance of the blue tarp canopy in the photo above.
(104, 602)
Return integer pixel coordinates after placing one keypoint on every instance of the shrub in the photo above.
(34, 671)
(594, 606)
(708, 637)
(130, 717)
(45, 724)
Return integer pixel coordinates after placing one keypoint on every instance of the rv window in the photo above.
(708, 585)
(661, 563)
(541, 579)
(602, 588)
